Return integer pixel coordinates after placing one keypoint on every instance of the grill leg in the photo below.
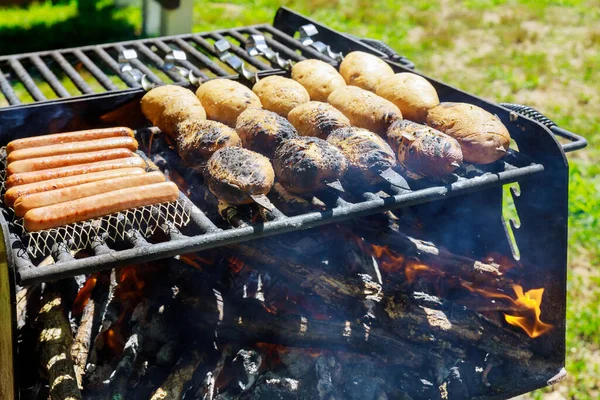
(7, 378)
(162, 22)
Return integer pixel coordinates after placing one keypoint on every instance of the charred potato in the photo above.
(482, 136)
(411, 93)
(364, 70)
(306, 164)
(233, 174)
(262, 131)
(423, 151)
(317, 119)
(166, 106)
(198, 140)
(280, 94)
(318, 78)
(224, 100)
(368, 154)
(365, 109)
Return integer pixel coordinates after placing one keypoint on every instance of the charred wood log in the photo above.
(120, 377)
(81, 345)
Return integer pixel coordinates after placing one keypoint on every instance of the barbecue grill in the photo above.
(474, 197)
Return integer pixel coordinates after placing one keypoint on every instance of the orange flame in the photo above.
(388, 260)
(83, 296)
(413, 268)
(195, 260)
(235, 264)
(532, 299)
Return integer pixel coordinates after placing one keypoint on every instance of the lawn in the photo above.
(541, 53)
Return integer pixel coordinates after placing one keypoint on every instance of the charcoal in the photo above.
(328, 371)
(245, 365)
(273, 387)
(365, 388)
(457, 390)
(166, 355)
(297, 360)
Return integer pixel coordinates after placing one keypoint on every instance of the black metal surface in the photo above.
(49, 76)
(71, 73)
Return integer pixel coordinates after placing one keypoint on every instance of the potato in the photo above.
(317, 119)
(280, 94)
(364, 70)
(482, 136)
(423, 151)
(411, 93)
(166, 106)
(224, 100)
(197, 140)
(318, 78)
(365, 109)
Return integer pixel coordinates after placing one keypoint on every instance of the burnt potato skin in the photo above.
(224, 100)
(262, 130)
(411, 93)
(317, 119)
(197, 140)
(423, 151)
(279, 94)
(306, 164)
(367, 153)
(365, 109)
(482, 136)
(364, 70)
(167, 106)
(234, 173)
(318, 78)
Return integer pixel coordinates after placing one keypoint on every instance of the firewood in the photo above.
(54, 341)
(81, 345)
(120, 377)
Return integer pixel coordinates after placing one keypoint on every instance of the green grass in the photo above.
(541, 53)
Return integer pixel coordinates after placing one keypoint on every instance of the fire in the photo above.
(413, 268)
(531, 300)
(84, 295)
(130, 285)
(195, 260)
(235, 264)
(388, 260)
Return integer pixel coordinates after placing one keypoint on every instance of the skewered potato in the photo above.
(368, 154)
(224, 100)
(364, 70)
(424, 151)
(318, 78)
(233, 174)
(198, 140)
(482, 136)
(280, 94)
(262, 131)
(365, 109)
(166, 106)
(317, 119)
(306, 164)
(411, 93)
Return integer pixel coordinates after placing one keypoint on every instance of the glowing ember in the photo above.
(195, 260)
(532, 299)
(235, 264)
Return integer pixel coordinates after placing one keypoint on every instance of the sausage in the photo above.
(64, 160)
(37, 200)
(68, 137)
(72, 148)
(12, 194)
(99, 205)
(44, 175)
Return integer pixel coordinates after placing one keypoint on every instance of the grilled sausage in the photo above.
(37, 200)
(99, 205)
(318, 78)
(12, 194)
(365, 109)
(224, 100)
(364, 70)
(198, 140)
(306, 164)
(68, 137)
(64, 160)
(368, 154)
(72, 148)
(54, 173)
(424, 151)
(262, 131)
(166, 106)
(280, 94)
(317, 119)
(234, 173)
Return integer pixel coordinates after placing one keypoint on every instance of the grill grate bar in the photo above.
(136, 239)
(72, 73)
(210, 64)
(166, 49)
(114, 65)
(160, 64)
(26, 79)
(276, 45)
(94, 70)
(293, 43)
(235, 49)
(8, 91)
(49, 76)
(142, 67)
